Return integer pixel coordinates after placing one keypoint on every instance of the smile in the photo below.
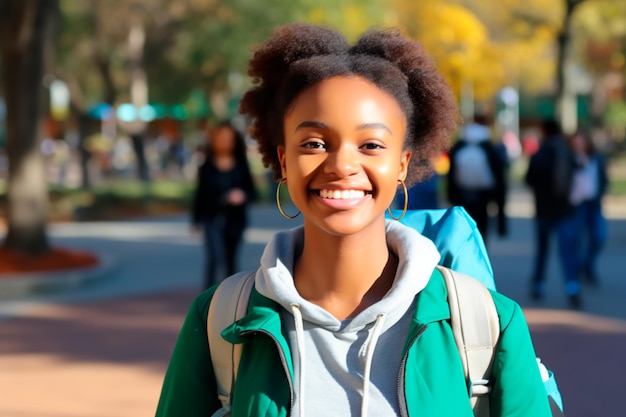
(342, 194)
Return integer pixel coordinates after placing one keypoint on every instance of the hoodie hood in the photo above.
(417, 257)
(475, 133)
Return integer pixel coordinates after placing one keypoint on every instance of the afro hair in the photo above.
(298, 56)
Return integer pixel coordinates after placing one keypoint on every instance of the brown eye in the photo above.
(313, 145)
(372, 146)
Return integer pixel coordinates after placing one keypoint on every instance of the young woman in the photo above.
(348, 315)
(224, 191)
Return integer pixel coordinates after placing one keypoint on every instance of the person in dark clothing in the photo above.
(224, 190)
(423, 195)
(477, 176)
(549, 175)
(585, 227)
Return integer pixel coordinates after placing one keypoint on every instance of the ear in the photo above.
(282, 157)
(405, 158)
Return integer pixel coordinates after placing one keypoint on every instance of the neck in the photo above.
(343, 275)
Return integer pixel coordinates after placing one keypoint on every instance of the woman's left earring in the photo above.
(406, 203)
(280, 208)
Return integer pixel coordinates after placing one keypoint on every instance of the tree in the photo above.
(25, 28)
(598, 44)
(485, 45)
(176, 51)
(562, 95)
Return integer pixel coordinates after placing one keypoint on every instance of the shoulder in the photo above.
(199, 307)
(508, 309)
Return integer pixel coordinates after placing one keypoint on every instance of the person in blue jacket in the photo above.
(348, 314)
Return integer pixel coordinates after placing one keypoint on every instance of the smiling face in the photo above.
(343, 153)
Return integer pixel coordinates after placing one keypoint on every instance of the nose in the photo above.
(342, 161)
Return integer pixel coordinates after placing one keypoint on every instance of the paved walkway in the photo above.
(100, 349)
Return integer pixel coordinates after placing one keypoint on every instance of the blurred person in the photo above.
(549, 175)
(224, 190)
(424, 195)
(477, 175)
(585, 229)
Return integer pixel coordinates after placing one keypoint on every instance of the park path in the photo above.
(101, 350)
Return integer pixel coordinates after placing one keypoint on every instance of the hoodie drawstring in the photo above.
(370, 345)
(297, 315)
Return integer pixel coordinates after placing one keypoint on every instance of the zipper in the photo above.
(404, 409)
(283, 360)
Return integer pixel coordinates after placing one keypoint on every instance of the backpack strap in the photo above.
(229, 303)
(476, 328)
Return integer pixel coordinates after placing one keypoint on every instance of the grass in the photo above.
(117, 199)
(126, 198)
(120, 199)
(618, 187)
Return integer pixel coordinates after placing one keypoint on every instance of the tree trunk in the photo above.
(563, 41)
(138, 93)
(24, 28)
(82, 123)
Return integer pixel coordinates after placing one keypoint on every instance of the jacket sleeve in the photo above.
(189, 387)
(518, 390)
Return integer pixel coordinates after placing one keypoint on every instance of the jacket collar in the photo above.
(263, 314)
(432, 301)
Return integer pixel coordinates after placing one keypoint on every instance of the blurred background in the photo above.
(106, 108)
(109, 118)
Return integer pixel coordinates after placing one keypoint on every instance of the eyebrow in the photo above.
(364, 126)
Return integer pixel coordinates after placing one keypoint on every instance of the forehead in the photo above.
(348, 98)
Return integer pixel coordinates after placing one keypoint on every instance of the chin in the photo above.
(348, 225)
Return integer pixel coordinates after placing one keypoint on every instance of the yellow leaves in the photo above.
(356, 21)
(351, 18)
(456, 39)
(317, 15)
(484, 43)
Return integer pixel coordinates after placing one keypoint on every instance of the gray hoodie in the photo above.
(351, 366)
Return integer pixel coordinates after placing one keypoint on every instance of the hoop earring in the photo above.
(280, 208)
(406, 203)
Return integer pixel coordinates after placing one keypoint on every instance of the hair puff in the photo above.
(300, 55)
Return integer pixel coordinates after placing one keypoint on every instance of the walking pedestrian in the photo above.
(477, 175)
(585, 227)
(423, 195)
(348, 315)
(223, 193)
(549, 175)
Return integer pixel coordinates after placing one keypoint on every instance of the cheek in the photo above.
(384, 170)
(390, 167)
(303, 165)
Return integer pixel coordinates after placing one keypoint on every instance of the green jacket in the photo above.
(431, 383)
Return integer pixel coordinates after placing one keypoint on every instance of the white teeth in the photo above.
(342, 194)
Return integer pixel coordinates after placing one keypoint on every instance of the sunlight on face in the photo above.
(343, 153)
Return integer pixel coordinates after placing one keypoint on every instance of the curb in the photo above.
(12, 286)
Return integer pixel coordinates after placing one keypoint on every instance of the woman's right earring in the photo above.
(280, 208)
